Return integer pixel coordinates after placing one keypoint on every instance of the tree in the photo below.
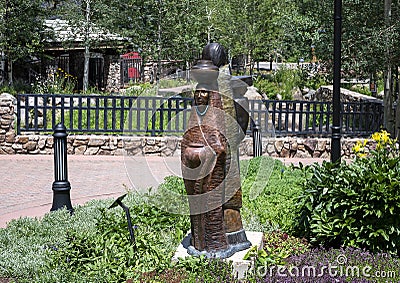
(21, 31)
(369, 43)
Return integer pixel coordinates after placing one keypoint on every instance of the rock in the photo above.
(49, 142)
(104, 152)
(91, 151)
(96, 142)
(132, 145)
(252, 93)
(80, 141)
(310, 95)
(279, 145)
(310, 144)
(297, 94)
(10, 137)
(80, 150)
(30, 146)
(7, 96)
(270, 148)
(22, 139)
(42, 143)
(284, 152)
(294, 146)
(6, 150)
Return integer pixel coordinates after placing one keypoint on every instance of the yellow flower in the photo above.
(362, 155)
(358, 147)
(376, 136)
(385, 137)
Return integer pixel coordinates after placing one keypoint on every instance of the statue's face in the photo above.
(201, 97)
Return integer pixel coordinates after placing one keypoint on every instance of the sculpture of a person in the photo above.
(216, 226)
(236, 122)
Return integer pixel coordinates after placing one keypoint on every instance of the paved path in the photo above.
(26, 180)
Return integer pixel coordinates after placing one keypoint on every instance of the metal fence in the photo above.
(40, 113)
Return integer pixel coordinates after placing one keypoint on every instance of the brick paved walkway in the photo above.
(26, 180)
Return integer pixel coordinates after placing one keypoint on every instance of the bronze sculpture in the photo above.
(210, 161)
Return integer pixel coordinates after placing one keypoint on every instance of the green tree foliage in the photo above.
(365, 36)
(21, 30)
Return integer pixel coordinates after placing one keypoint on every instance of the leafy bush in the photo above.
(26, 242)
(270, 190)
(277, 247)
(282, 82)
(91, 246)
(105, 254)
(355, 204)
(58, 82)
(143, 89)
(18, 86)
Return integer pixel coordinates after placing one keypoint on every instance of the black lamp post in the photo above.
(61, 185)
(336, 128)
(257, 141)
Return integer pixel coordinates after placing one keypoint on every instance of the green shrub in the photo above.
(57, 82)
(356, 204)
(143, 89)
(277, 247)
(105, 254)
(270, 190)
(18, 86)
(282, 82)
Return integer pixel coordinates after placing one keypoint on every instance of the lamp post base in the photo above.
(61, 196)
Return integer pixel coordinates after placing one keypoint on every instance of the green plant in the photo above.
(277, 246)
(18, 86)
(57, 82)
(270, 190)
(143, 89)
(282, 82)
(202, 269)
(105, 254)
(355, 204)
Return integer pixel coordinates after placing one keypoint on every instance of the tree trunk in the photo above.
(87, 51)
(397, 113)
(86, 69)
(388, 100)
(9, 70)
(388, 121)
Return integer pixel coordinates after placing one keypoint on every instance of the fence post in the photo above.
(61, 185)
(257, 142)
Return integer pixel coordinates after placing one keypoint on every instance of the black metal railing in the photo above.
(40, 113)
(313, 118)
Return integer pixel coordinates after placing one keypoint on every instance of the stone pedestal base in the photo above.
(240, 266)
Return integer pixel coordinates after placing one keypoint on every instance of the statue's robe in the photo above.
(203, 156)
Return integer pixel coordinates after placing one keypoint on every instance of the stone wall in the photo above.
(112, 73)
(325, 93)
(10, 143)
(8, 106)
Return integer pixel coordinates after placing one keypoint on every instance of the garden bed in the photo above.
(93, 244)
